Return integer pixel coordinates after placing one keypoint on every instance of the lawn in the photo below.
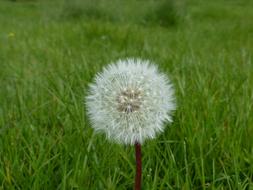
(51, 50)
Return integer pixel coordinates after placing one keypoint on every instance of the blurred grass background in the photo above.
(51, 50)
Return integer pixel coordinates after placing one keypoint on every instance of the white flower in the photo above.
(130, 101)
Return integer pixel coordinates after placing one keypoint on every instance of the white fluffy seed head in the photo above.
(130, 101)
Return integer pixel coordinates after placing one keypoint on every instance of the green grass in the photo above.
(48, 56)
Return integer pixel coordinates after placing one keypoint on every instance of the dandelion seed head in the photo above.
(130, 100)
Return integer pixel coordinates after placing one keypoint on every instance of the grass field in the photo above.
(50, 51)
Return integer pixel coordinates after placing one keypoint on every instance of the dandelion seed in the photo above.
(146, 102)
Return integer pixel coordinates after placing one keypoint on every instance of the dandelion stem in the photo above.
(138, 166)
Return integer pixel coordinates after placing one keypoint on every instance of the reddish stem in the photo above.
(138, 166)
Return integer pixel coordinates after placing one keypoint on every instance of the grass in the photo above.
(48, 57)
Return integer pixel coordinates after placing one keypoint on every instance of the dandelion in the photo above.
(130, 101)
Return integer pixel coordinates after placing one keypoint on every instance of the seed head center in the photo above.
(129, 100)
